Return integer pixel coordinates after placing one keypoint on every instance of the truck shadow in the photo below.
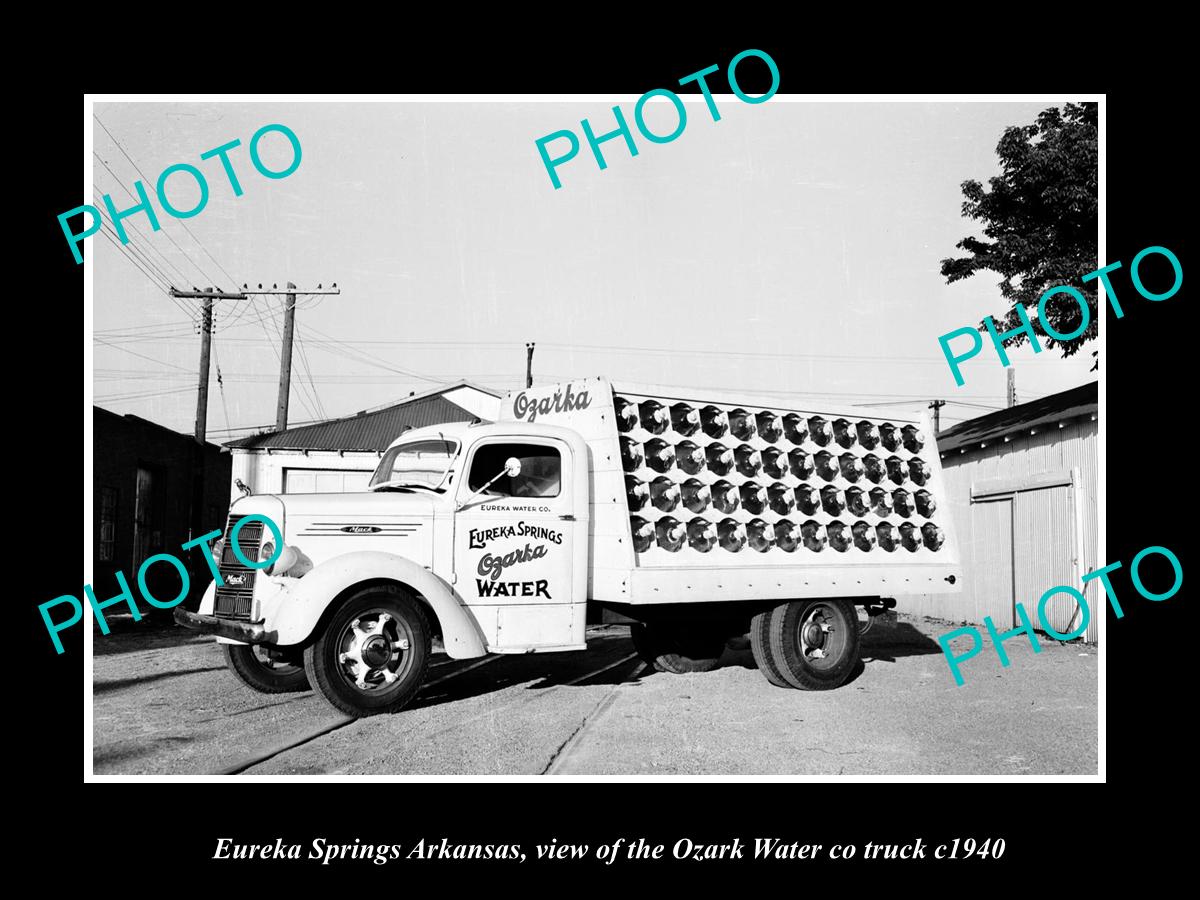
(537, 672)
(887, 643)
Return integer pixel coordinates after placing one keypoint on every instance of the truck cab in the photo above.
(477, 533)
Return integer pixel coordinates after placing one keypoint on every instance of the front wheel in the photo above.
(678, 649)
(256, 667)
(373, 653)
(814, 643)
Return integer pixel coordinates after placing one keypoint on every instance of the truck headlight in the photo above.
(291, 562)
(218, 548)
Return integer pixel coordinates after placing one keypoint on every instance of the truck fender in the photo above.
(294, 611)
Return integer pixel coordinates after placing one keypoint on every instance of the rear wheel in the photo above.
(814, 643)
(255, 666)
(678, 649)
(760, 646)
(373, 653)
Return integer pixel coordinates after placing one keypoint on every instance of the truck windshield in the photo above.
(418, 463)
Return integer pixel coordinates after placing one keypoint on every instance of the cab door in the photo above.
(514, 545)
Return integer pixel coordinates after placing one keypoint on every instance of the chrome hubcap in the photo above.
(372, 650)
(821, 640)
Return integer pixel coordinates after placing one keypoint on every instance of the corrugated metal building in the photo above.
(340, 455)
(1023, 487)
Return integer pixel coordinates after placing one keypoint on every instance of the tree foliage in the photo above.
(1040, 221)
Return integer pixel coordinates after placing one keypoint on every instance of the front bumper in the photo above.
(246, 632)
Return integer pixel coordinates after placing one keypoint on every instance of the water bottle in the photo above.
(795, 428)
(881, 502)
(844, 433)
(760, 535)
(696, 495)
(732, 535)
(889, 436)
(787, 536)
(720, 459)
(714, 422)
(749, 460)
(626, 412)
(643, 533)
(671, 533)
(769, 427)
(827, 465)
(801, 464)
(654, 416)
(910, 538)
(781, 498)
(664, 493)
(926, 505)
(832, 502)
(918, 470)
(874, 468)
(754, 497)
(808, 499)
(775, 462)
(912, 438)
(851, 467)
(660, 455)
(741, 423)
(725, 497)
(864, 536)
(814, 536)
(903, 502)
(896, 469)
(631, 454)
(820, 431)
(932, 536)
(636, 492)
(690, 458)
(702, 535)
(840, 537)
(684, 419)
(858, 501)
(868, 434)
(888, 538)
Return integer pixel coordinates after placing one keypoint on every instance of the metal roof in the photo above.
(1049, 410)
(363, 431)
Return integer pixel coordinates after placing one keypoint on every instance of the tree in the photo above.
(1040, 221)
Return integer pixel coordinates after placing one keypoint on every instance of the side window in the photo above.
(541, 470)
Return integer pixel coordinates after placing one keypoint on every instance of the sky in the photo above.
(789, 248)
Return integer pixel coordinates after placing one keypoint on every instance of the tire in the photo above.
(760, 646)
(372, 655)
(814, 643)
(678, 650)
(266, 676)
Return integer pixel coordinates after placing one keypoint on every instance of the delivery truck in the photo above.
(693, 518)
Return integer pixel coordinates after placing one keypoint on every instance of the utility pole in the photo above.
(205, 351)
(285, 361)
(529, 364)
(207, 296)
(285, 352)
(1012, 387)
(196, 523)
(936, 406)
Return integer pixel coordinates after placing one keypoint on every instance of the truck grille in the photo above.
(235, 595)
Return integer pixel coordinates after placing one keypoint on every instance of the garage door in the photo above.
(324, 481)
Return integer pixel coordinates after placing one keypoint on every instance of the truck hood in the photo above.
(344, 513)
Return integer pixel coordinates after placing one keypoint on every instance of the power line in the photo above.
(161, 362)
(232, 280)
(308, 371)
(204, 275)
(133, 261)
